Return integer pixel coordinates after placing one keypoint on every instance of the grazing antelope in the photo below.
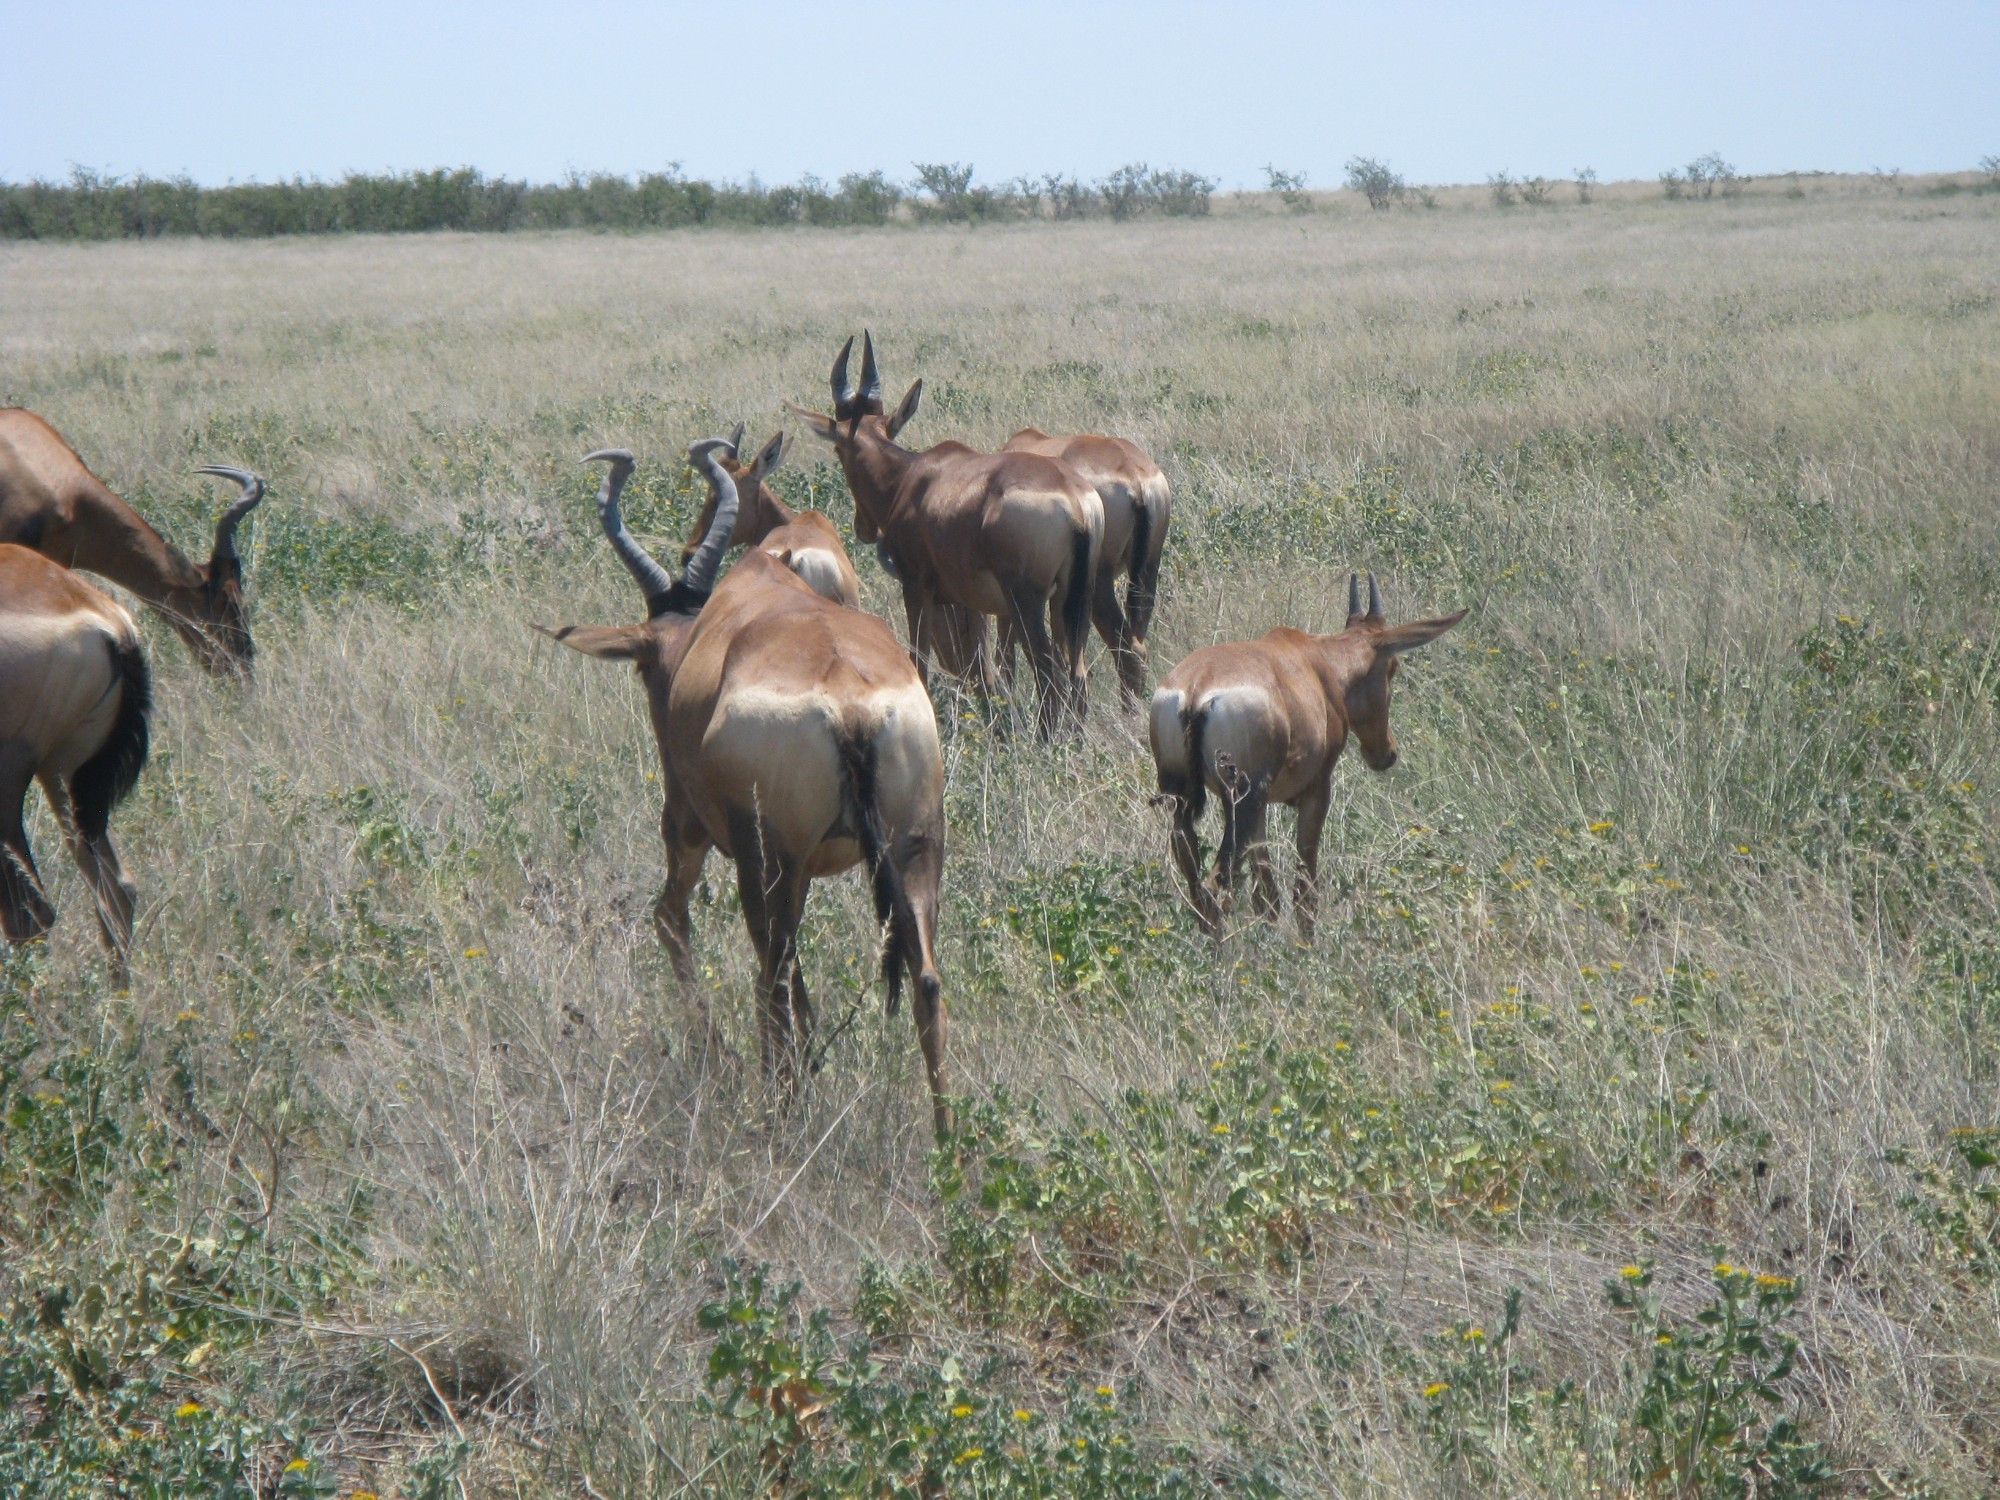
(1264, 721)
(1136, 503)
(970, 534)
(796, 736)
(75, 700)
(804, 541)
(51, 502)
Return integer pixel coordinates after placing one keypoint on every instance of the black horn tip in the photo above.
(609, 456)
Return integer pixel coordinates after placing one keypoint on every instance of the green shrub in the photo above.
(1708, 1417)
(812, 1418)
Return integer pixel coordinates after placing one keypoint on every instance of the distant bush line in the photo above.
(95, 206)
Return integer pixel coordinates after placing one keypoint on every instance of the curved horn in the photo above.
(1374, 599)
(843, 388)
(736, 442)
(1353, 597)
(225, 527)
(698, 577)
(870, 396)
(653, 579)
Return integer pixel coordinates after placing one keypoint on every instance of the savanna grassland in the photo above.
(1630, 1129)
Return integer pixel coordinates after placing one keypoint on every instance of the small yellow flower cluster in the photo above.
(1436, 1389)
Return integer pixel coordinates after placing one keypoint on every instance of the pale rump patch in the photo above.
(1164, 724)
(781, 753)
(819, 570)
(58, 686)
(1240, 726)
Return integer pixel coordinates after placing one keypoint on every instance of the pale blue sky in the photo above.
(229, 89)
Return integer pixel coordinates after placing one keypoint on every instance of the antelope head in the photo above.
(1372, 650)
(756, 516)
(860, 430)
(206, 608)
(671, 603)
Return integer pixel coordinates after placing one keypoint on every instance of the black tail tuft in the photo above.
(1194, 725)
(892, 902)
(1139, 579)
(107, 778)
(1076, 603)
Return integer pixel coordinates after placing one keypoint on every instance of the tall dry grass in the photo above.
(395, 968)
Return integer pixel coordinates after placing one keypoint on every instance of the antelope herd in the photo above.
(795, 731)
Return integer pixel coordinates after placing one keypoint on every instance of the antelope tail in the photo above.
(1194, 725)
(892, 901)
(1076, 603)
(103, 781)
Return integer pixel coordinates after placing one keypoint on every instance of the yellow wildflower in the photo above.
(1022, 1414)
(297, 1466)
(961, 1411)
(1630, 1273)
(188, 1409)
(969, 1455)
(1104, 1390)
(1436, 1389)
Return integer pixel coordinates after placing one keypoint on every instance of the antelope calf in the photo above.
(804, 541)
(1136, 502)
(51, 502)
(1263, 721)
(75, 704)
(796, 736)
(971, 535)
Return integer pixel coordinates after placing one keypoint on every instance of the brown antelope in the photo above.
(75, 700)
(970, 535)
(796, 736)
(804, 541)
(1263, 721)
(1136, 500)
(50, 501)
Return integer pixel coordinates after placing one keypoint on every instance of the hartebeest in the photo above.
(75, 700)
(51, 502)
(1263, 721)
(804, 541)
(1137, 505)
(970, 535)
(796, 736)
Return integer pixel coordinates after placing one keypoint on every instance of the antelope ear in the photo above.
(1407, 637)
(906, 408)
(605, 642)
(825, 427)
(768, 458)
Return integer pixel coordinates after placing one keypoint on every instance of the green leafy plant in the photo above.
(1709, 1416)
(814, 1418)
(1957, 1200)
